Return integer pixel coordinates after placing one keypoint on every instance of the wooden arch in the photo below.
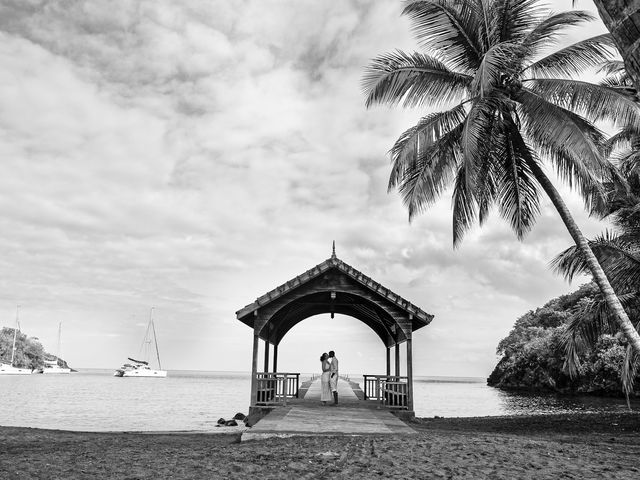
(332, 287)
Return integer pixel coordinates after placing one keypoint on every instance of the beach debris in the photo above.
(231, 423)
(240, 416)
(221, 421)
(327, 454)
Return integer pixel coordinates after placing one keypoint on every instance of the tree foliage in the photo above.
(534, 355)
(510, 102)
(29, 351)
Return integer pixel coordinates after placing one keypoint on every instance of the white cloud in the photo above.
(192, 156)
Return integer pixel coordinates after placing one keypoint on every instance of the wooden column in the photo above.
(388, 361)
(254, 370)
(397, 360)
(410, 374)
(275, 357)
(266, 356)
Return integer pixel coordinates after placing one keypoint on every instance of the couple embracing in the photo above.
(329, 379)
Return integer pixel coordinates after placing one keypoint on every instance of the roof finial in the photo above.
(333, 250)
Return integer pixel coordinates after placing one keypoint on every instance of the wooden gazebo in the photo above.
(333, 287)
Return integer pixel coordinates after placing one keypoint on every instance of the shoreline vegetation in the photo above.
(29, 351)
(531, 446)
(533, 355)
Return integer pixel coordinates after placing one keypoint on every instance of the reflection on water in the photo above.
(473, 398)
(95, 400)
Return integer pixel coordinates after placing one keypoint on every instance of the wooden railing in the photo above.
(275, 387)
(390, 391)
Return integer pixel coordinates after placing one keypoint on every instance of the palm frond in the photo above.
(415, 141)
(616, 74)
(575, 58)
(550, 29)
(413, 80)
(511, 21)
(629, 371)
(584, 327)
(629, 164)
(594, 102)
(432, 173)
(622, 139)
(500, 60)
(464, 206)
(425, 157)
(611, 250)
(477, 134)
(519, 201)
(569, 263)
(487, 175)
(450, 29)
(569, 141)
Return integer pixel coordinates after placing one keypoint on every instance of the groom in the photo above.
(333, 381)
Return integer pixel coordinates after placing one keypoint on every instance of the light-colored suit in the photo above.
(333, 382)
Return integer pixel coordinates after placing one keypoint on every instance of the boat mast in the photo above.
(155, 339)
(58, 350)
(15, 333)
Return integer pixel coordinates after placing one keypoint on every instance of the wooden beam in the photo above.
(275, 357)
(410, 374)
(266, 356)
(397, 362)
(254, 370)
(388, 361)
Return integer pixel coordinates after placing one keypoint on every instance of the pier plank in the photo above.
(309, 417)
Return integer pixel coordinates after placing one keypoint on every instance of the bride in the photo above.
(325, 395)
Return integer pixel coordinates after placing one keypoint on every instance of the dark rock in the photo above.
(221, 421)
(231, 423)
(239, 416)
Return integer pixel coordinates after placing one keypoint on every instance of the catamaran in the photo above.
(51, 366)
(9, 368)
(141, 368)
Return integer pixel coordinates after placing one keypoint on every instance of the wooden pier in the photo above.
(332, 287)
(307, 416)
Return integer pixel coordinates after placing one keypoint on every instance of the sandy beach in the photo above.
(550, 446)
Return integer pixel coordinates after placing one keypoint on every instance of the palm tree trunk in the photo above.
(622, 19)
(596, 269)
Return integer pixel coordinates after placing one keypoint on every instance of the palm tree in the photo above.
(509, 106)
(618, 251)
(619, 254)
(622, 19)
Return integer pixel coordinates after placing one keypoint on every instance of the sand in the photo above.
(532, 447)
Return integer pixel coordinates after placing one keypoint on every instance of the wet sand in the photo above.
(582, 446)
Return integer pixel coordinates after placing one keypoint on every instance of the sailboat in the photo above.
(9, 368)
(51, 366)
(141, 368)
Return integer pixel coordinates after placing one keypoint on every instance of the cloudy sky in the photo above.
(193, 155)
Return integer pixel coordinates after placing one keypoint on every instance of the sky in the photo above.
(191, 156)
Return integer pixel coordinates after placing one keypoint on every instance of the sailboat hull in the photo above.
(143, 372)
(141, 368)
(11, 370)
(56, 370)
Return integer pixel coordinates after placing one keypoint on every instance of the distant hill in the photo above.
(533, 353)
(29, 350)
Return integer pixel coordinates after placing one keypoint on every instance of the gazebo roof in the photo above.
(372, 313)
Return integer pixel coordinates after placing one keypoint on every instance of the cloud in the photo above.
(192, 156)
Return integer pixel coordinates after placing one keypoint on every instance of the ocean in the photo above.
(95, 400)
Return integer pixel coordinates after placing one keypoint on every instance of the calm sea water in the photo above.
(94, 400)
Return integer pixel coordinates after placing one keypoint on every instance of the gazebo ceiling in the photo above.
(349, 304)
(333, 287)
